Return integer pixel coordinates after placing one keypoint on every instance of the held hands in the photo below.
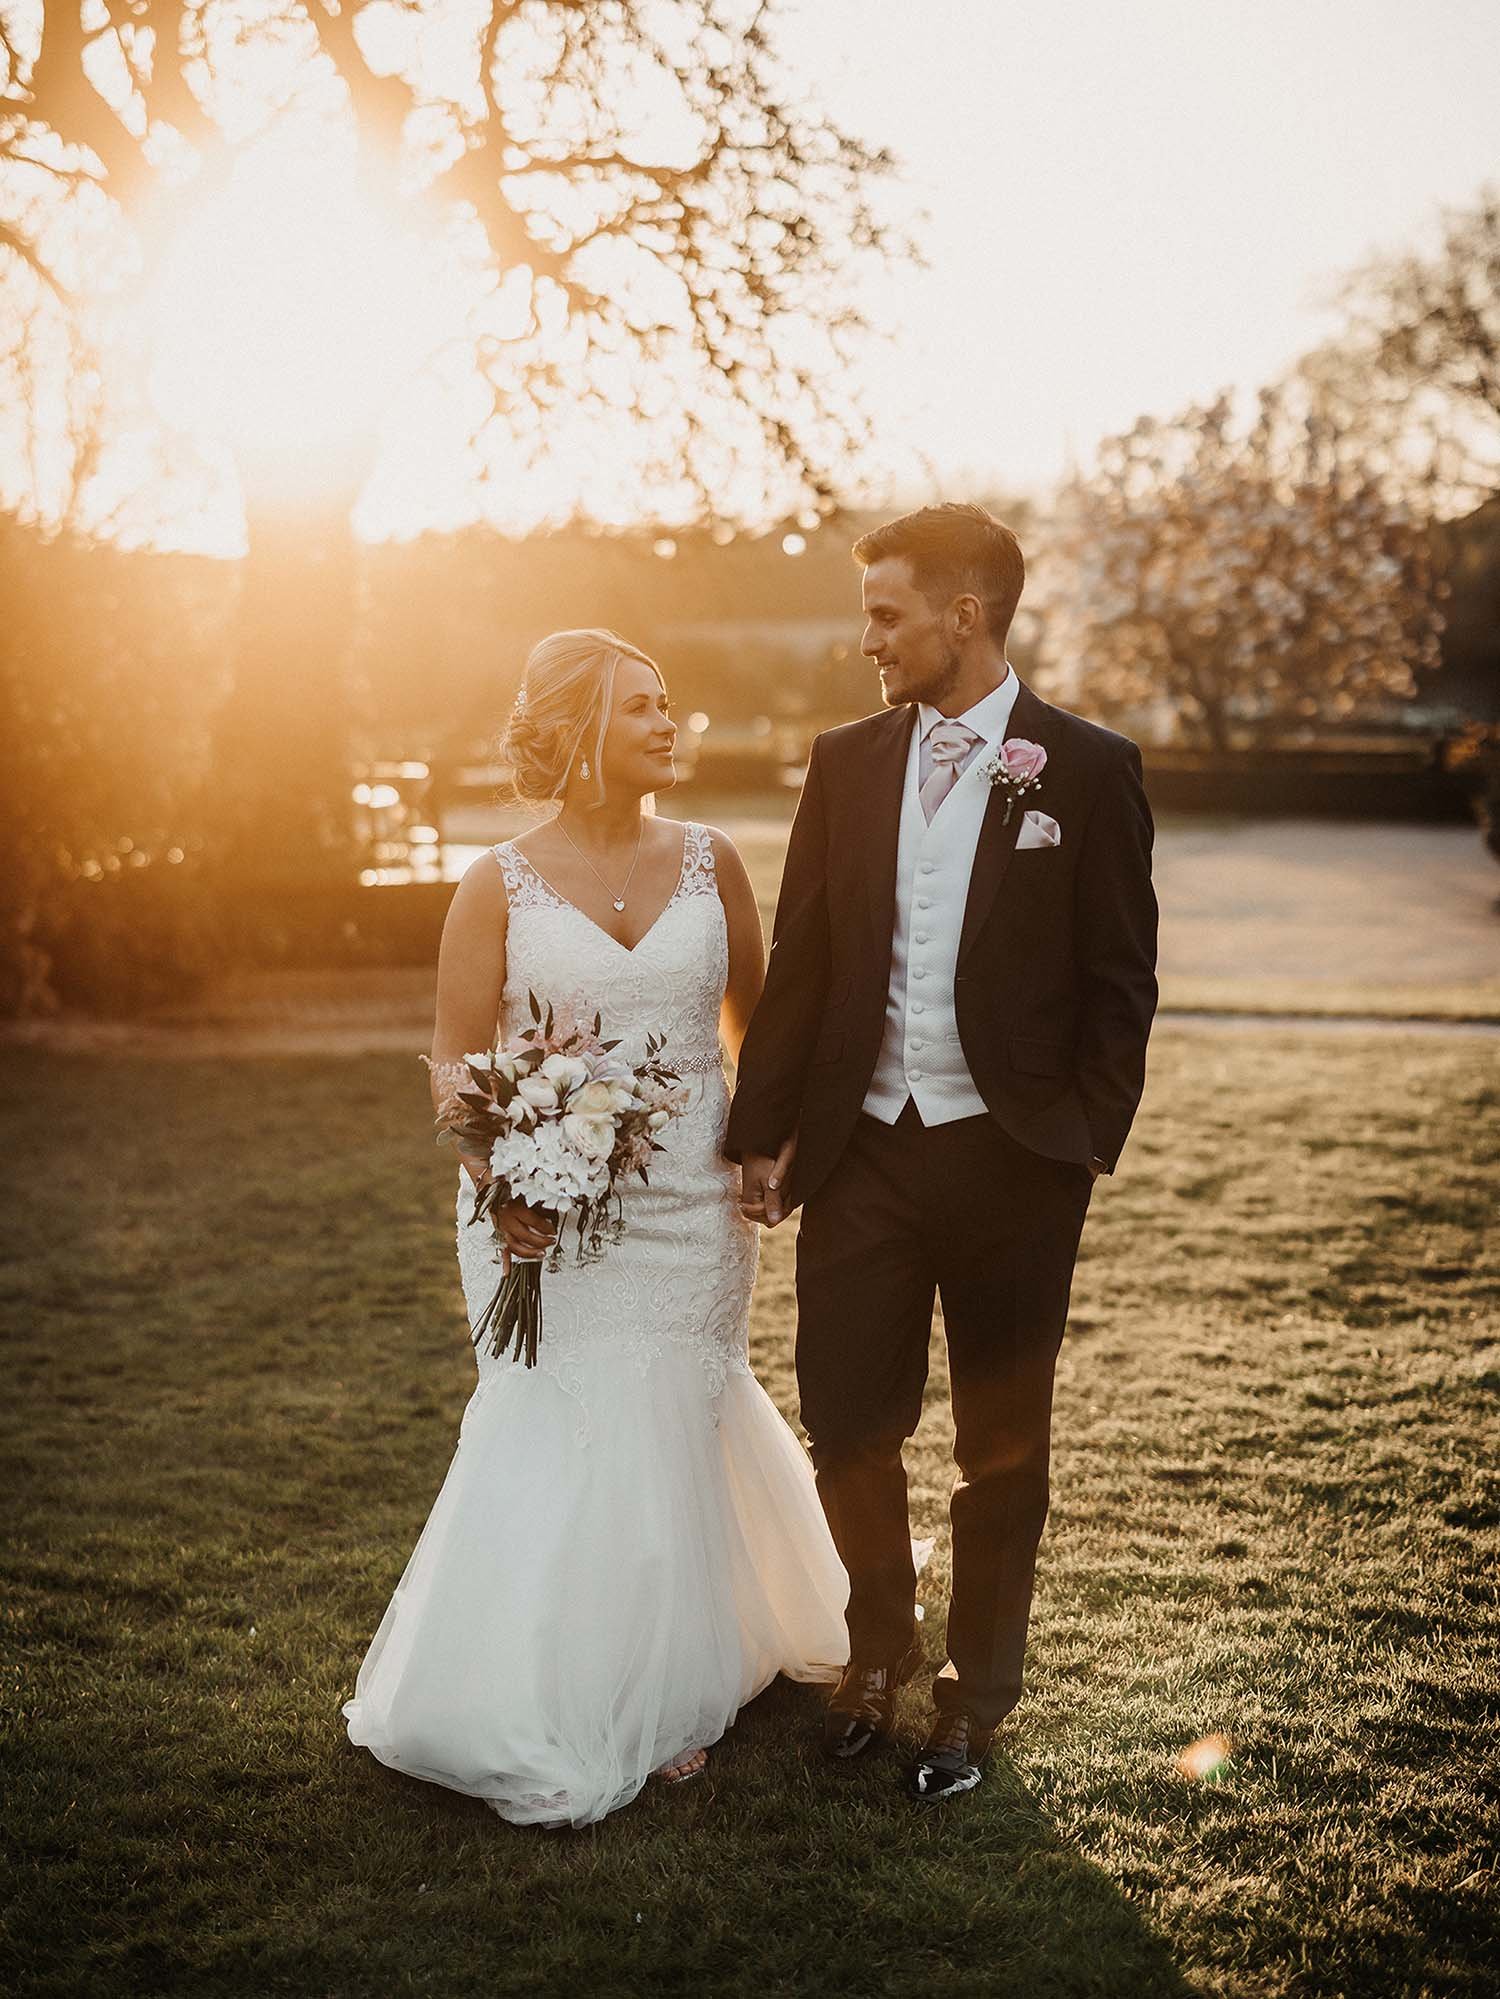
(763, 1184)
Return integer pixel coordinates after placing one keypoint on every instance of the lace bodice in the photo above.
(682, 1272)
(671, 984)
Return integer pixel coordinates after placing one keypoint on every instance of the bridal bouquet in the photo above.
(563, 1121)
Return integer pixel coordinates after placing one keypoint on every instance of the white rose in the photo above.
(565, 1073)
(505, 1065)
(657, 1119)
(593, 1099)
(537, 1091)
(478, 1061)
(594, 1137)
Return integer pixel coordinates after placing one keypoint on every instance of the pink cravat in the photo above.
(950, 744)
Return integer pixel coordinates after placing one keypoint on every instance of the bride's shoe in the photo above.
(693, 1764)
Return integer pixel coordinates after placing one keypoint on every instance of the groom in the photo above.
(949, 1049)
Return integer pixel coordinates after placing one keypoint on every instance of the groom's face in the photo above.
(911, 643)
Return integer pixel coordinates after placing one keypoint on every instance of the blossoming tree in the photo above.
(1255, 583)
(1414, 375)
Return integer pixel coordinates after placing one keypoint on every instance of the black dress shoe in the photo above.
(863, 1702)
(948, 1761)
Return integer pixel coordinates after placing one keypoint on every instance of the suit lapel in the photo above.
(886, 772)
(997, 841)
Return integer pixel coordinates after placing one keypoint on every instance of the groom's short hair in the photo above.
(954, 550)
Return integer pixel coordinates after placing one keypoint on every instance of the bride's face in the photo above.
(639, 739)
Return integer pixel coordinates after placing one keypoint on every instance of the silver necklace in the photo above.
(617, 900)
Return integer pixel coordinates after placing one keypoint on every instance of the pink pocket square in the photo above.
(1037, 830)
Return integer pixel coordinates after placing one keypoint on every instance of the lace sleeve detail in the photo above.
(448, 1078)
(698, 873)
(524, 887)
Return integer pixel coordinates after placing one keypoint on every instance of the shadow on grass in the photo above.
(777, 1873)
(204, 1843)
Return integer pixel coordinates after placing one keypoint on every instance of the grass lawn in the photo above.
(235, 1368)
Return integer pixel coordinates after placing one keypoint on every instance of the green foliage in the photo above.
(236, 1373)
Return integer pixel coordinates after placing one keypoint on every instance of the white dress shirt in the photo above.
(920, 1056)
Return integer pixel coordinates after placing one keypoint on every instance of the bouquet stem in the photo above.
(514, 1314)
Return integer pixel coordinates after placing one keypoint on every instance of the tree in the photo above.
(110, 667)
(651, 233)
(1254, 584)
(638, 167)
(1413, 381)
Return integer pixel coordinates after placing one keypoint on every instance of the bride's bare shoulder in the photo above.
(481, 890)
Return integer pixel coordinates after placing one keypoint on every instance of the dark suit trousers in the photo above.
(965, 1212)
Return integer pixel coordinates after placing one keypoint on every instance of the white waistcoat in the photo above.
(920, 1056)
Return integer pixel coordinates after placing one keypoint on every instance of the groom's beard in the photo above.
(936, 690)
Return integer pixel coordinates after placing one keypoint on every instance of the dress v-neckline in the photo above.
(568, 902)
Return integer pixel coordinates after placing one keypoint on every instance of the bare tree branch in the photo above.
(678, 209)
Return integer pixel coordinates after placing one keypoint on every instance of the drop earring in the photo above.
(583, 769)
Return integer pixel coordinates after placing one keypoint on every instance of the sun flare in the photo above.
(289, 313)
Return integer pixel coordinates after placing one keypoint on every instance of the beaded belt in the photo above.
(687, 1065)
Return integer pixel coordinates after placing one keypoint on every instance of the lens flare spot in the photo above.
(1206, 1759)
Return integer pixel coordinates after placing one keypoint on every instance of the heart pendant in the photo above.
(619, 903)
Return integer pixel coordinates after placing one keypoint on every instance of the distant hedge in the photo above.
(112, 666)
(1411, 784)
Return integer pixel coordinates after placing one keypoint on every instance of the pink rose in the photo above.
(1021, 761)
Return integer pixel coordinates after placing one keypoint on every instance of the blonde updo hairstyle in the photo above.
(562, 713)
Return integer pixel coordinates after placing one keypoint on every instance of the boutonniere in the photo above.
(1015, 768)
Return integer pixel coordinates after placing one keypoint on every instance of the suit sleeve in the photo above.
(1116, 957)
(777, 1049)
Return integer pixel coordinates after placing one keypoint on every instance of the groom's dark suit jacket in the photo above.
(1056, 982)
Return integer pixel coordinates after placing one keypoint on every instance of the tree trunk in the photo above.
(1204, 697)
(281, 754)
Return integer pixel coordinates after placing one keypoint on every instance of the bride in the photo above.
(628, 1545)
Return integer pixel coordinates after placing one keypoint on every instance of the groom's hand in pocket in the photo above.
(763, 1184)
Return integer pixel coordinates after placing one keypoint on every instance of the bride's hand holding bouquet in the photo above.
(559, 1119)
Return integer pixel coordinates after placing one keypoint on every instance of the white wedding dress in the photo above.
(628, 1545)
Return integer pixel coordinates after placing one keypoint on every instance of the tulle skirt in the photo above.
(577, 1614)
